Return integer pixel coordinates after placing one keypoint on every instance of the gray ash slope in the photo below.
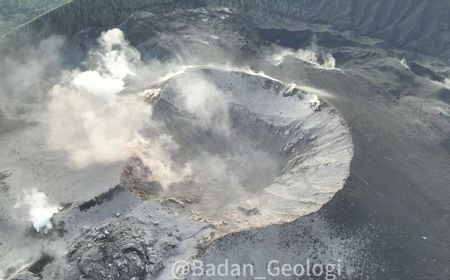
(391, 220)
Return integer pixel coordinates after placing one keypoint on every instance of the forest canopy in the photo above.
(14, 13)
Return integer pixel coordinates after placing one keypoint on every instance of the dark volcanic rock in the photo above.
(120, 236)
(119, 251)
(422, 71)
(26, 275)
(137, 176)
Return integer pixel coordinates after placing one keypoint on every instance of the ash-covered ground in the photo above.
(213, 135)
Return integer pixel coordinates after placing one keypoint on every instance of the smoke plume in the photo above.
(40, 210)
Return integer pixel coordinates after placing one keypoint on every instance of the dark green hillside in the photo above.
(418, 26)
(14, 13)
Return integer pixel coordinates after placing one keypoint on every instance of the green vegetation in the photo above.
(14, 13)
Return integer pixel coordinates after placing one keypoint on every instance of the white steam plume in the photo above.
(90, 118)
(205, 101)
(40, 211)
(312, 55)
(24, 78)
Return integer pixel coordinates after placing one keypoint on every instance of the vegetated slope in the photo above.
(419, 26)
(79, 14)
(16, 12)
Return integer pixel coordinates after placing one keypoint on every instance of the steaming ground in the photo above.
(238, 150)
(214, 123)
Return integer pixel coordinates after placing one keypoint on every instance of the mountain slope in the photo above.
(418, 26)
(16, 12)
